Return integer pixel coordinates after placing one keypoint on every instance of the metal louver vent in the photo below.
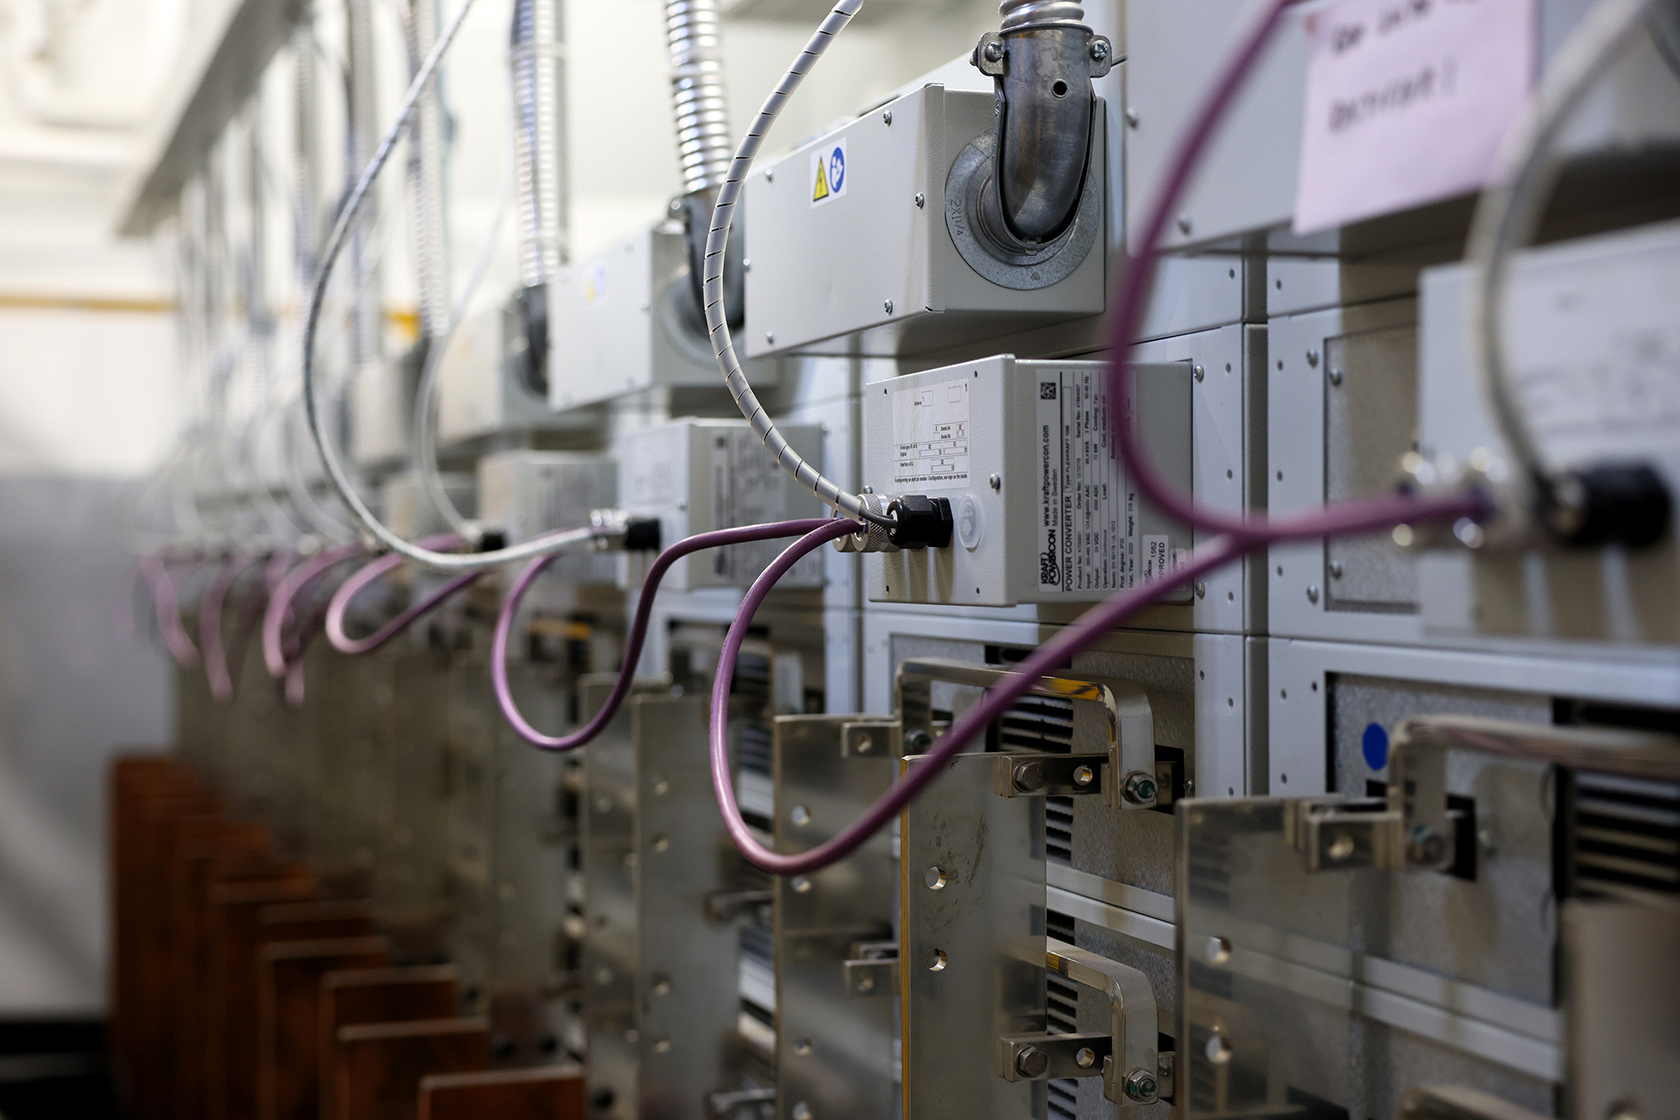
(1626, 836)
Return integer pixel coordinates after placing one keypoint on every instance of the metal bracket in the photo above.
(871, 969)
(723, 907)
(728, 1104)
(1344, 835)
(1131, 781)
(1040, 775)
(1131, 1072)
(1037, 1057)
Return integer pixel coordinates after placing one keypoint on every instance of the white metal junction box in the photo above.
(528, 493)
(623, 322)
(1593, 343)
(382, 410)
(699, 475)
(1246, 181)
(483, 385)
(1042, 509)
(848, 236)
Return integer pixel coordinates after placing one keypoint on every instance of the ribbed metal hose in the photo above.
(306, 156)
(427, 222)
(1020, 14)
(704, 143)
(539, 138)
(364, 128)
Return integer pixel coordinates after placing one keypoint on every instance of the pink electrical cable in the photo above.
(376, 570)
(168, 610)
(292, 584)
(638, 627)
(1129, 304)
(210, 625)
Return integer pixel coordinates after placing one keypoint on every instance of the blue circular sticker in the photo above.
(836, 169)
(1375, 745)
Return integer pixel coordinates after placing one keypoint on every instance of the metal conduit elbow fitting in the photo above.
(1043, 60)
(705, 146)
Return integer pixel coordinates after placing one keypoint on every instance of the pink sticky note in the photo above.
(1407, 101)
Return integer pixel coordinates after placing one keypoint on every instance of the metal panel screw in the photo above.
(918, 741)
(661, 843)
(1200, 373)
(1140, 1086)
(865, 744)
(660, 785)
(769, 174)
(1312, 358)
(1132, 117)
(921, 200)
(995, 482)
(661, 985)
(1139, 788)
(1099, 50)
(802, 1111)
(1335, 376)
(1201, 590)
(802, 1046)
(994, 51)
(887, 306)
(1336, 569)
(746, 264)
(770, 337)
(1184, 223)
(1084, 776)
(886, 118)
(1312, 593)
(1029, 776)
(1032, 1062)
(866, 983)
(800, 815)
(800, 884)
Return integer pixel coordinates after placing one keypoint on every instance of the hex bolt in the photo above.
(994, 51)
(1139, 788)
(921, 200)
(1029, 776)
(1084, 776)
(1030, 1061)
(1085, 1058)
(1099, 50)
(1140, 1086)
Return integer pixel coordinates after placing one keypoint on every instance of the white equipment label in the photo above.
(1407, 101)
(1087, 524)
(749, 488)
(930, 434)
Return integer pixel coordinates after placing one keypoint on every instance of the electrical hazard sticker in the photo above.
(828, 173)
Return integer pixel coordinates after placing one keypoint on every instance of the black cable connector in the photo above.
(491, 540)
(1625, 504)
(641, 534)
(920, 521)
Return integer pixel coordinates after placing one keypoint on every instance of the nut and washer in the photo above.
(1140, 1086)
(1139, 788)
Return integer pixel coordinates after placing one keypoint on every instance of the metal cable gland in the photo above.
(872, 539)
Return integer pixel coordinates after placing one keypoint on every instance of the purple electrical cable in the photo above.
(638, 627)
(1054, 653)
(1129, 303)
(168, 610)
(366, 575)
(280, 602)
(210, 625)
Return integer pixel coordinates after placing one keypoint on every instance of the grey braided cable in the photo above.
(717, 240)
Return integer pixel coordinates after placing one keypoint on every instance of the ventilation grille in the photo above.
(1041, 724)
(1627, 836)
(1058, 829)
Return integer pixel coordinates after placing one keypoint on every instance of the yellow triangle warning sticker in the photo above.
(820, 191)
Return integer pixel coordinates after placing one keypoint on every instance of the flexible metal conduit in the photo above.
(428, 222)
(539, 138)
(704, 143)
(1019, 14)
